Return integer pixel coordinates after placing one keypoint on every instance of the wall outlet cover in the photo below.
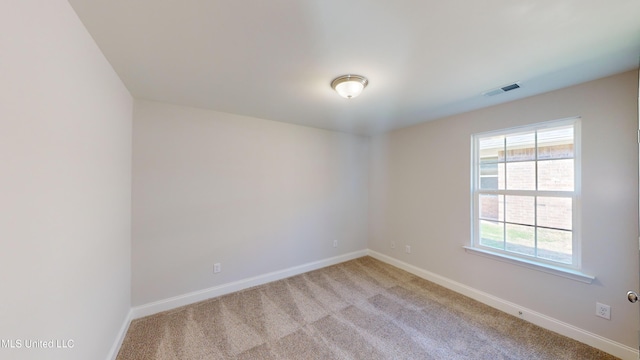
(603, 311)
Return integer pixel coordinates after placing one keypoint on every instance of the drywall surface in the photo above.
(420, 196)
(256, 196)
(65, 187)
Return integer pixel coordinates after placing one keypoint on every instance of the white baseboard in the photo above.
(197, 296)
(612, 347)
(115, 348)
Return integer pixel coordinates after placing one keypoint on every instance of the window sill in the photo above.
(550, 269)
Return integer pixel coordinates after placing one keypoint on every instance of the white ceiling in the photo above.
(424, 59)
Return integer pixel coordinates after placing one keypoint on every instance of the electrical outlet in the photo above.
(335, 243)
(407, 249)
(604, 311)
(217, 268)
(393, 244)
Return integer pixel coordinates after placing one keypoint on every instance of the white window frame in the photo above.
(572, 270)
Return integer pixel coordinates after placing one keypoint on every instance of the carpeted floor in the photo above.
(361, 309)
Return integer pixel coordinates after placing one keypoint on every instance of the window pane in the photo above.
(554, 212)
(521, 147)
(521, 175)
(489, 176)
(520, 209)
(489, 182)
(489, 169)
(491, 149)
(491, 152)
(492, 207)
(555, 245)
(556, 143)
(492, 234)
(521, 239)
(555, 175)
(501, 176)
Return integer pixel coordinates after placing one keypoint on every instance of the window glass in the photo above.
(524, 192)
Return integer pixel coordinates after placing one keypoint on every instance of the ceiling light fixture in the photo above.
(349, 86)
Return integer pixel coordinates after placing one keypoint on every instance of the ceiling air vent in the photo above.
(502, 89)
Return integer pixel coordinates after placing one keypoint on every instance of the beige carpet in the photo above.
(361, 309)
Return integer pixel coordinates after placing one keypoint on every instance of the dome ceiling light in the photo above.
(349, 86)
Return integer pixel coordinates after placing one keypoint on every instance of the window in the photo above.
(526, 186)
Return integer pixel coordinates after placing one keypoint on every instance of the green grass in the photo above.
(552, 244)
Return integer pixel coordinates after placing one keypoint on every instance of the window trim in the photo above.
(568, 273)
(568, 270)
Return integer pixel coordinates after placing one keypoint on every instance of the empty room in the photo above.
(210, 179)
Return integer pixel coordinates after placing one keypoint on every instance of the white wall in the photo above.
(420, 196)
(65, 185)
(256, 196)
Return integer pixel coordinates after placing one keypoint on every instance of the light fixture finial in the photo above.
(349, 86)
